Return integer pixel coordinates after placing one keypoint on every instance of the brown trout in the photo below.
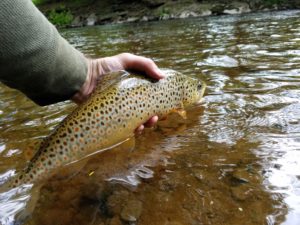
(109, 117)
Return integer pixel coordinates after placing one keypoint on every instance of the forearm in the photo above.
(34, 58)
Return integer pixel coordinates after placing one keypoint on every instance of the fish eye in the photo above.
(199, 87)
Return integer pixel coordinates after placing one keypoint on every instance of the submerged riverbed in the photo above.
(235, 160)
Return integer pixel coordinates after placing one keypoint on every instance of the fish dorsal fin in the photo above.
(110, 79)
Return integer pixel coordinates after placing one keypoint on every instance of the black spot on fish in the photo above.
(61, 136)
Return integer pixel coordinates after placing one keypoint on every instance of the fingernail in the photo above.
(155, 119)
(140, 128)
(160, 73)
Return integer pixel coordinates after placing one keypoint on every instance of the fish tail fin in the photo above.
(17, 203)
(23, 215)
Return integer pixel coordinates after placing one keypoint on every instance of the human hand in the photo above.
(124, 61)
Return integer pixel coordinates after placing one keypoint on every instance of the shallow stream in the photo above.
(235, 160)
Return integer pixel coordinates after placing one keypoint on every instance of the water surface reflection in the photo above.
(235, 159)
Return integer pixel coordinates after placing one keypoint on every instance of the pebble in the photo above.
(116, 201)
(241, 193)
(240, 176)
(132, 210)
(115, 221)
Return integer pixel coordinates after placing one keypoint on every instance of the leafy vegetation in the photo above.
(60, 16)
(40, 2)
(273, 2)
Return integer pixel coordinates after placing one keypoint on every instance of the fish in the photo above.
(109, 117)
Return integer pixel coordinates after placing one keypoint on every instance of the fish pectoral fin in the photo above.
(181, 112)
(70, 170)
(128, 144)
(164, 117)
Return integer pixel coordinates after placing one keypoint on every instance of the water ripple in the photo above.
(248, 125)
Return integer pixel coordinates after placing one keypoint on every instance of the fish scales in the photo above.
(109, 117)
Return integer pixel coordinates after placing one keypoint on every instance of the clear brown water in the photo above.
(235, 160)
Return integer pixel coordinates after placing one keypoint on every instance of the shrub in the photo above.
(273, 2)
(39, 2)
(60, 17)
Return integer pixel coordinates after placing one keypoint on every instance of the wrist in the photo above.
(89, 84)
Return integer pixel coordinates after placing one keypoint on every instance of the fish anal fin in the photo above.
(164, 117)
(181, 112)
(128, 144)
(70, 170)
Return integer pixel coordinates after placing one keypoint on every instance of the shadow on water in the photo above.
(234, 161)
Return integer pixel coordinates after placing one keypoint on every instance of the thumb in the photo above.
(142, 64)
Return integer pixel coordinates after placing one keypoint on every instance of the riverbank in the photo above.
(92, 12)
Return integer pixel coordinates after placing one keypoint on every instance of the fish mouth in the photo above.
(201, 93)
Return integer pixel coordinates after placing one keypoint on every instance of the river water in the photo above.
(235, 160)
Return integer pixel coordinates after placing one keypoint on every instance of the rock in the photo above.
(132, 19)
(240, 176)
(218, 9)
(153, 18)
(173, 223)
(237, 8)
(57, 216)
(132, 210)
(168, 185)
(241, 193)
(115, 221)
(166, 17)
(145, 19)
(199, 175)
(186, 14)
(154, 3)
(108, 17)
(115, 202)
(91, 20)
(231, 11)
(77, 22)
(205, 13)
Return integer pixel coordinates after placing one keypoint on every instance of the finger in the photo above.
(139, 129)
(151, 122)
(139, 63)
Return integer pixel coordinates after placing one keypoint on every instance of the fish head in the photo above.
(192, 92)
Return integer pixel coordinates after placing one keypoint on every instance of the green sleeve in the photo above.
(34, 58)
